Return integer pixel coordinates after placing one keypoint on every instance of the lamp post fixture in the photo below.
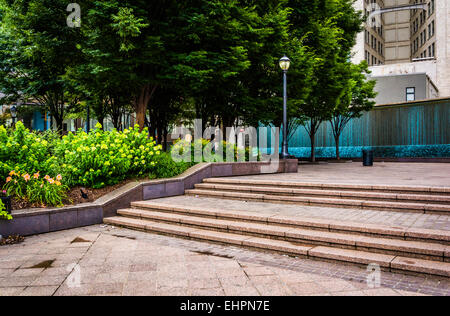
(285, 63)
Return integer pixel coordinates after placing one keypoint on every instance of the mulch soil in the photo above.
(74, 196)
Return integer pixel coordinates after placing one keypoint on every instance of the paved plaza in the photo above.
(104, 260)
(100, 260)
(382, 173)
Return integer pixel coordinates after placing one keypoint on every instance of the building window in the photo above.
(410, 94)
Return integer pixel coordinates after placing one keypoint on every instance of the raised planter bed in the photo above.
(37, 221)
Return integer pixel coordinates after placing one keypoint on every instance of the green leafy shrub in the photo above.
(103, 158)
(181, 148)
(167, 168)
(36, 189)
(3, 213)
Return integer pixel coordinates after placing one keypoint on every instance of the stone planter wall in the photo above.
(38, 221)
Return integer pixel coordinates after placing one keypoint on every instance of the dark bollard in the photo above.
(368, 158)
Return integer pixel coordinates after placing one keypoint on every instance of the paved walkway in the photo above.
(404, 219)
(410, 174)
(102, 260)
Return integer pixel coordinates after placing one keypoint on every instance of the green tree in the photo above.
(329, 28)
(359, 98)
(36, 48)
(217, 53)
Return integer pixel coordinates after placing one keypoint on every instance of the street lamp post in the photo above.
(285, 63)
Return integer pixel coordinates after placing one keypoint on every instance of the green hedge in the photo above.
(425, 151)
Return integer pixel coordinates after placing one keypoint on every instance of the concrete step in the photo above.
(388, 262)
(340, 194)
(365, 229)
(413, 249)
(444, 191)
(324, 201)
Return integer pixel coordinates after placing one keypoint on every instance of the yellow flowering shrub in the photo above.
(103, 158)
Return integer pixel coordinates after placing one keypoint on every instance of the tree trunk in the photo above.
(56, 111)
(59, 124)
(141, 103)
(313, 145)
(116, 122)
(160, 132)
(101, 120)
(338, 154)
(166, 135)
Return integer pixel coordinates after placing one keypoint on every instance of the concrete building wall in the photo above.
(415, 41)
(429, 67)
(372, 43)
(443, 46)
(392, 89)
(397, 33)
(423, 31)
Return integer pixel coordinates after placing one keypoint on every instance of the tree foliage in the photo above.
(165, 59)
(358, 98)
(36, 50)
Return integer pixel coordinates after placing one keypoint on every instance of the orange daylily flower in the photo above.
(36, 175)
(12, 173)
(8, 179)
(59, 177)
(27, 177)
(58, 183)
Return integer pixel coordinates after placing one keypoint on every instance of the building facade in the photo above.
(406, 37)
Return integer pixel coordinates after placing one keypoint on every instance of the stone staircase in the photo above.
(402, 249)
(410, 199)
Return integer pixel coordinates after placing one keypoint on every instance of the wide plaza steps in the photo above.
(427, 200)
(407, 250)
